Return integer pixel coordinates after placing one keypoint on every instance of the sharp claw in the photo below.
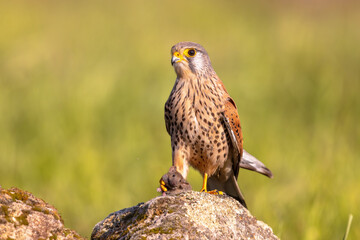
(163, 188)
(215, 192)
(162, 185)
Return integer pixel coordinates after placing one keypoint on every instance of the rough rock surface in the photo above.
(23, 216)
(187, 215)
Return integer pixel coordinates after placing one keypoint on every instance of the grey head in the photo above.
(189, 58)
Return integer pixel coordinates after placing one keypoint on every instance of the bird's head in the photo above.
(190, 58)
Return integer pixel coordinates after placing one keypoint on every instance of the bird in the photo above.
(204, 126)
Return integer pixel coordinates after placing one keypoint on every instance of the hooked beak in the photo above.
(177, 57)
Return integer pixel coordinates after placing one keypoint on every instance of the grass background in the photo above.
(83, 86)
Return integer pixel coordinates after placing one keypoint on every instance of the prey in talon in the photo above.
(173, 182)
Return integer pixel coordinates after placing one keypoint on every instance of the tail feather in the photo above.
(250, 162)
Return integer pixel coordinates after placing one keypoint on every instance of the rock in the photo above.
(187, 215)
(24, 216)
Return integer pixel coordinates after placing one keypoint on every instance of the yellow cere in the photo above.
(178, 55)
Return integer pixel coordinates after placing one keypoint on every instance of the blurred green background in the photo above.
(83, 86)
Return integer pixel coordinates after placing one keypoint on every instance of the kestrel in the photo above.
(202, 121)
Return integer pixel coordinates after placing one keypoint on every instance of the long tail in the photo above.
(250, 162)
(231, 187)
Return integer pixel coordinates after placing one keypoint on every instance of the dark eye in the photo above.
(191, 52)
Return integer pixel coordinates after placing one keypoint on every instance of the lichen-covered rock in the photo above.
(188, 215)
(23, 216)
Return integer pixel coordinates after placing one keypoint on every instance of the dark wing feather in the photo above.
(232, 124)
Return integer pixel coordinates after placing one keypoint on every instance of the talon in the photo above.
(204, 187)
(162, 185)
(216, 192)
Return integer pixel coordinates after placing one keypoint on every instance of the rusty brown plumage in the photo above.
(203, 123)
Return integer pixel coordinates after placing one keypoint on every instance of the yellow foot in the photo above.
(162, 186)
(215, 192)
(204, 187)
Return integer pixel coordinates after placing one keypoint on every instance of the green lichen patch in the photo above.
(160, 230)
(22, 219)
(5, 211)
(17, 194)
(47, 211)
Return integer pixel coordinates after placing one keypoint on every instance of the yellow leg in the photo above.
(204, 187)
